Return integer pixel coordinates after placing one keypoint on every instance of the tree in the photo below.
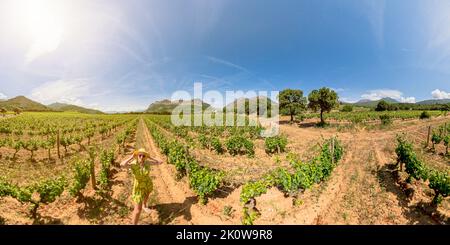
(324, 99)
(382, 106)
(446, 107)
(347, 108)
(393, 107)
(292, 102)
(3, 111)
(17, 111)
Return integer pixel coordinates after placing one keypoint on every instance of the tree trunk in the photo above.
(34, 208)
(93, 176)
(57, 144)
(436, 199)
(321, 117)
(292, 117)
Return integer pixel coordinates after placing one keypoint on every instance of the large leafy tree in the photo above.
(292, 102)
(382, 106)
(323, 100)
(17, 110)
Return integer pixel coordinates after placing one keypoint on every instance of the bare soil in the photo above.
(363, 189)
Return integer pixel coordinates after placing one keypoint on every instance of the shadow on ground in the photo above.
(98, 207)
(169, 211)
(387, 177)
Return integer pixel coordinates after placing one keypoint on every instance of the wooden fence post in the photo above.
(57, 143)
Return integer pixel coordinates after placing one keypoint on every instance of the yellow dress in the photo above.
(142, 185)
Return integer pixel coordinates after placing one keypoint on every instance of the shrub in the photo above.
(385, 119)
(302, 178)
(436, 138)
(237, 145)
(204, 141)
(106, 160)
(440, 183)
(178, 156)
(425, 115)
(301, 117)
(275, 144)
(81, 177)
(48, 190)
(347, 108)
(382, 106)
(216, 145)
(204, 181)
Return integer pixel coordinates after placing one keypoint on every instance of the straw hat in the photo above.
(141, 151)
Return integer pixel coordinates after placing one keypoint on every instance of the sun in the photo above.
(43, 23)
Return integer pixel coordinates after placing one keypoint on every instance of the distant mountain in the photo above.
(24, 104)
(124, 112)
(434, 102)
(167, 106)
(248, 101)
(67, 107)
(374, 103)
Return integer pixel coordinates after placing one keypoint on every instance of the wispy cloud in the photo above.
(348, 100)
(436, 55)
(374, 11)
(3, 96)
(65, 91)
(440, 94)
(337, 90)
(243, 73)
(227, 63)
(383, 93)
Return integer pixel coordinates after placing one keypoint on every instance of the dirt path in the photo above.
(362, 189)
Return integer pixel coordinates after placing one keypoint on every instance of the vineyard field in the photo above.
(62, 168)
(370, 116)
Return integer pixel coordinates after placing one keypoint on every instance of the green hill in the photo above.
(67, 107)
(167, 106)
(434, 102)
(24, 104)
(374, 103)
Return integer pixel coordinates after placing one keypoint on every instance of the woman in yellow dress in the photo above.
(142, 182)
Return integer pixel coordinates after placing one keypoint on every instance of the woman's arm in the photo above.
(155, 161)
(126, 161)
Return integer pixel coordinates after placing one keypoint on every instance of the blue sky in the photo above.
(123, 55)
